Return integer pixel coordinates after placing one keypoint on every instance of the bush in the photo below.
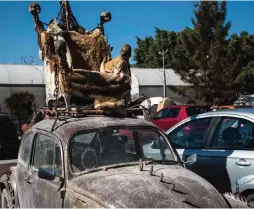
(20, 105)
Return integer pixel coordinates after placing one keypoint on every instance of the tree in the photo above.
(147, 54)
(20, 105)
(242, 48)
(218, 67)
(200, 57)
(142, 54)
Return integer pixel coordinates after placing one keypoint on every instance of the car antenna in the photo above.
(151, 170)
(141, 165)
(161, 177)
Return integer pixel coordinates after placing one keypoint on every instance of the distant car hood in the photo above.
(131, 188)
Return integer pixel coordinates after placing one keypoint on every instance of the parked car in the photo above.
(245, 100)
(9, 139)
(171, 115)
(224, 148)
(86, 162)
(225, 107)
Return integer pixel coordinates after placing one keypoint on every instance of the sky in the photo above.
(129, 20)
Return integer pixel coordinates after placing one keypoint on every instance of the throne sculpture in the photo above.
(78, 62)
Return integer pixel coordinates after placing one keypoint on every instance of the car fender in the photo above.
(244, 183)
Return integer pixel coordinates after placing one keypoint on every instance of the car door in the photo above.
(229, 154)
(166, 118)
(189, 138)
(47, 153)
(24, 188)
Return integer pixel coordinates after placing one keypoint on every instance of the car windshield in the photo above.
(113, 146)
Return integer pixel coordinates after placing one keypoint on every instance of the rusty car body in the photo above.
(64, 162)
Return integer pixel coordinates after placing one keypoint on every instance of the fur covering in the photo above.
(235, 201)
(89, 71)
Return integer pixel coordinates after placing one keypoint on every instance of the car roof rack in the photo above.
(63, 114)
(76, 112)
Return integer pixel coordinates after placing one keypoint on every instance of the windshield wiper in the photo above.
(166, 162)
(120, 165)
(110, 166)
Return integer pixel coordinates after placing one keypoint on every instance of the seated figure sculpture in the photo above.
(78, 62)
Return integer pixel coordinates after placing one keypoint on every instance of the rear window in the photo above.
(168, 113)
(190, 111)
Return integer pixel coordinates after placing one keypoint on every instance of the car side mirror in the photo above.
(191, 159)
(46, 173)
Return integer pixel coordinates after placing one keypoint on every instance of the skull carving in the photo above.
(105, 17)
(34, 8)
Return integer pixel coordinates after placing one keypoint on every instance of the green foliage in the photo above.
(202, 58)
(218, 66)
(20, 105)
(147, 54)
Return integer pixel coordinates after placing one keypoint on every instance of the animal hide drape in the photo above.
(78, 60)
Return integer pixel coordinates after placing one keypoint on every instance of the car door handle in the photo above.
(28, 180)
(243, 162)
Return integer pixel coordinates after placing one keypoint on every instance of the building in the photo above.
(21, 78)
(31, 78)
(150, 83)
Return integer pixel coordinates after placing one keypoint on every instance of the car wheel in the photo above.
(6, 200)
(250, 200)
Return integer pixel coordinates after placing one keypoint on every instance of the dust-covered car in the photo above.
(99, 161)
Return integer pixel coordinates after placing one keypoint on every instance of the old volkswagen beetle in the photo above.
(99, 161)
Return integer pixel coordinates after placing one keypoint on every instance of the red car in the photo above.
(171, 115)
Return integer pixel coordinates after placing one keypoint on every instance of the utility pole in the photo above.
(164, 71)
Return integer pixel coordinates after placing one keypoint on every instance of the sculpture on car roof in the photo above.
(78, 62)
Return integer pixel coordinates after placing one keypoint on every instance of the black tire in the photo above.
(6, 200)
(250, 200)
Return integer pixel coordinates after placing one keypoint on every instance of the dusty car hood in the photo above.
(129, 187)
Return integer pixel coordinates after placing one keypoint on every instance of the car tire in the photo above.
(250, 200)
(6, 200)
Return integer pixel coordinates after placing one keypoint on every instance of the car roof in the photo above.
(248, 112)
(70, 126)
(188, 105)
(233, 106)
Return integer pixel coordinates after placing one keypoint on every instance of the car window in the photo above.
(153, 110)
(190, 134)
(168, 113)
(119, 145)
(233, 133)
(25, 148)
(190, 111)
(47, 154)
(161, 114)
